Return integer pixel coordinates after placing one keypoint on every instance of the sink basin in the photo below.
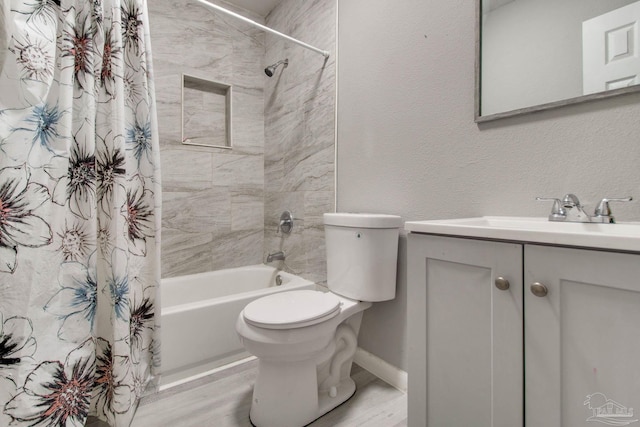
(620, 236)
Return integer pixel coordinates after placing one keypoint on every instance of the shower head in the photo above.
(272, 68)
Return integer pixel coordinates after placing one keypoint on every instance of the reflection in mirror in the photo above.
(206, 112)
(540, 54)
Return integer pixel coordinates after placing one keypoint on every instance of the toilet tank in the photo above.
(362, 255)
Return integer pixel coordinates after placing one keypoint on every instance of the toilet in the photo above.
(305, 340)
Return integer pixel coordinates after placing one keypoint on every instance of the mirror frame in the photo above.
(479, 118)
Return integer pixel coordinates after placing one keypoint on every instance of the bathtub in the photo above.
(199, 313)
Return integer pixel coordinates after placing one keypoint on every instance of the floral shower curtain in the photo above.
(79, 212)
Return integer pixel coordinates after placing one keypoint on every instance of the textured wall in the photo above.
(300, 133)
(407, 143)
(213, 201)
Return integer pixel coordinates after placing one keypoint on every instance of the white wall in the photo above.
(408, 145)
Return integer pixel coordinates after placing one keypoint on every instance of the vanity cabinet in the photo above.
(582, 340)
(558, 347)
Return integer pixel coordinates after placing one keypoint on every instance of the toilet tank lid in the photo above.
(363, 220)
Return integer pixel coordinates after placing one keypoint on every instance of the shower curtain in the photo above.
(79, 212)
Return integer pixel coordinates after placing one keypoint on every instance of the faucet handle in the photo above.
(603, 211)
(558, 213)
(286, 222)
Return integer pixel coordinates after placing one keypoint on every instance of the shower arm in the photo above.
(263, 27)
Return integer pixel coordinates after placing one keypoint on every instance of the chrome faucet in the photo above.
(276, 256)
(574, 210)
(286, 222)
(569, 209)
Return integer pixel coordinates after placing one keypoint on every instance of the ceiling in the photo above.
(261, 7)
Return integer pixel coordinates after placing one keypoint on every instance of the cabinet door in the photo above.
(582, 339)
(465, 335)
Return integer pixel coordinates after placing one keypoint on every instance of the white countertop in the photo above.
(620, 236)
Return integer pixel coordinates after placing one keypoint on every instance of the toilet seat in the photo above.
(292, 309)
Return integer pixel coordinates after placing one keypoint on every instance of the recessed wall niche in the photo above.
(206, 112)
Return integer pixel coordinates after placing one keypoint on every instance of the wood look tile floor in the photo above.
(224, 398)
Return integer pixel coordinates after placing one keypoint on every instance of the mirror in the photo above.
(534, 55)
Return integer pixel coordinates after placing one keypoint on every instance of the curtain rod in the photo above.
(263, 27)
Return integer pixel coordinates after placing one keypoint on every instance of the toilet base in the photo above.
(297, 383)
(345, 391)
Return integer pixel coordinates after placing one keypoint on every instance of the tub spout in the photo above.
(276, 256)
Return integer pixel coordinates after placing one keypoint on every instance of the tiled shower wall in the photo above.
(221, 207)
(300, 133)
(213, 204)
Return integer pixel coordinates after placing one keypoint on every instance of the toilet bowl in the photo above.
(305, 340)
(294, 363)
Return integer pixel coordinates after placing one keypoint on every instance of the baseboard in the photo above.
(385, 371)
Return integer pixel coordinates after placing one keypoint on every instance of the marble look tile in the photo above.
(177, 240)
(222, 168)
(314, 215)
(202, 202)
(282, 149)
(295, 145)
(217, 251)
(248, 121)
(282, 136)
(232, 7)
(274, 175)
(247, 209)
(237, 169)
(168, 105)
(316, 203)
(249, 170)
(315, 261)
(248, 59)
(205, 210)
(299, 132)
(310, 21)
(284, 121)
(179, 165)
(319, 111)
(222, 172)
(185, 44)
(237, 249)
(310, 171)
(185, 253)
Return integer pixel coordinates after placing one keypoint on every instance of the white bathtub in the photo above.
(199, 313)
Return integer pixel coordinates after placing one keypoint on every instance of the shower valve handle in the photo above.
(286, 222)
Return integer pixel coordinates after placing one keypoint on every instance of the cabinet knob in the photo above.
(539, 290)
(502, 283)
